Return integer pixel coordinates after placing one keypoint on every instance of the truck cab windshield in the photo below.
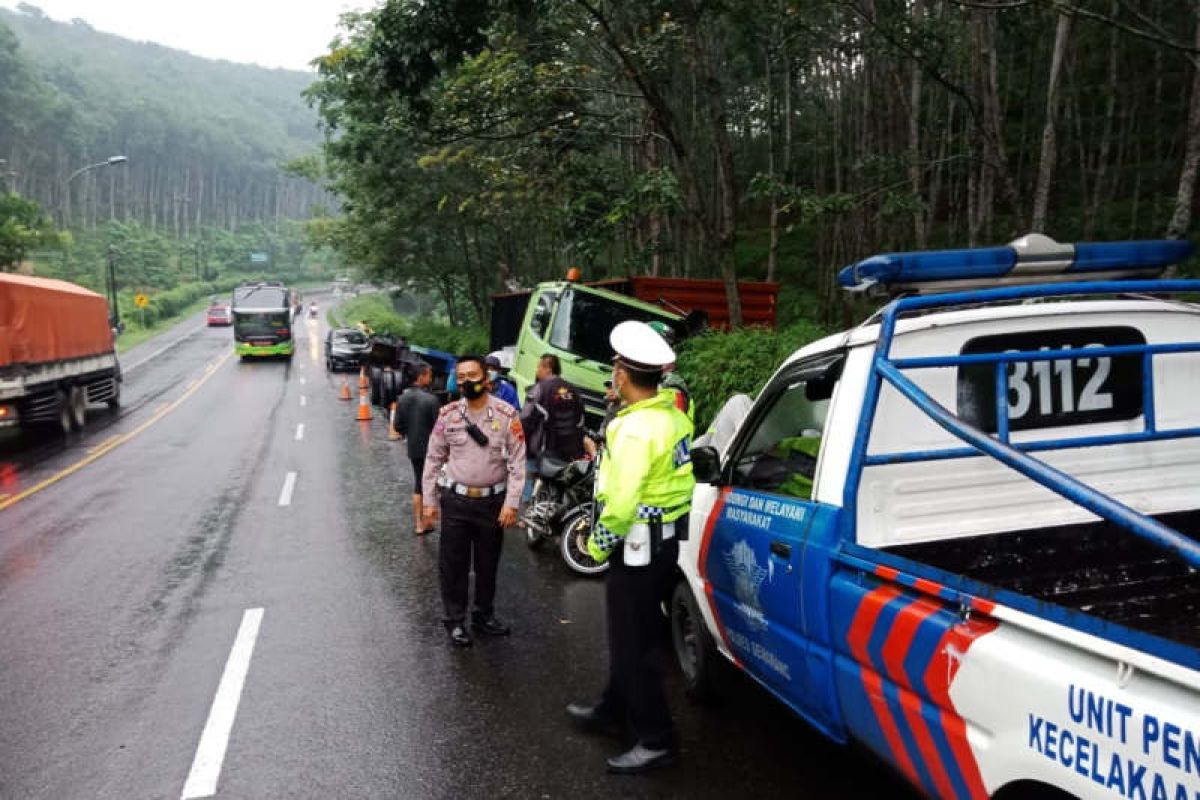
(584, 321)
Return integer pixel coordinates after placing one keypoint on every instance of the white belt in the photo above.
(473, 491)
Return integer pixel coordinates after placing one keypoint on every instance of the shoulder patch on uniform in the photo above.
(505, 408)
(517, 431)
(682, 453)
(446, 409)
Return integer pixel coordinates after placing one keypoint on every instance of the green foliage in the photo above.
(377, 311)
(204, 139)
(23, 227)
(717, 365)
(171, 303)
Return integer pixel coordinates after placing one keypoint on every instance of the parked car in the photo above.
(964, 533)
(345, 348)
(220, 314)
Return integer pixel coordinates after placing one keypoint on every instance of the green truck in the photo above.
(572, 320)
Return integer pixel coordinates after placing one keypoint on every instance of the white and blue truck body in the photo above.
(994, 580)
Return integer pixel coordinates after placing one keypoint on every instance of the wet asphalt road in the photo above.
(123, 585)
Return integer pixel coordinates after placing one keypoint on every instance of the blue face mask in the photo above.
(493, 375)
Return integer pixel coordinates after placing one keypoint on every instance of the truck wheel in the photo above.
(77, 407)
(375, 379)
(64, 411)
(694, 649)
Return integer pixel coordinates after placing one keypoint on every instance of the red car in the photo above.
(220, 314)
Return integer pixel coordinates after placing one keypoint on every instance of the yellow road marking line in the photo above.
(117, 440)
(106, 442)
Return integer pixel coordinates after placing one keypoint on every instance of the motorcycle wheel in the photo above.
(577, 525)
(533, 539)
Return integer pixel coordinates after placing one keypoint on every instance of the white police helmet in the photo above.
(640, 347)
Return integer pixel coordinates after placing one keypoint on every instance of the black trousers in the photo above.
(635, 631)
(470, 535)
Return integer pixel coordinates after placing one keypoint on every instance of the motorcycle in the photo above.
(563, 506)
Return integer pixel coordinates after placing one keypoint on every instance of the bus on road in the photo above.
(262, 320)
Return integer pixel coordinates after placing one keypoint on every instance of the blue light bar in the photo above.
(931, 265)
(1032, 259)
(1144, 255)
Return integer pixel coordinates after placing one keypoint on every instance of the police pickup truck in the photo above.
(966, 533)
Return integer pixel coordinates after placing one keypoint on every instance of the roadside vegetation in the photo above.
(378, 311)
(176, 168)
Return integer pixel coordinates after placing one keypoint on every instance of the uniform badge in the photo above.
(495, 425)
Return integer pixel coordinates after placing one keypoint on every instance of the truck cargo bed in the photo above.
(1095, 567)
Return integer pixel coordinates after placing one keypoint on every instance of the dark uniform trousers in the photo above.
(635, 629)
(470, 533)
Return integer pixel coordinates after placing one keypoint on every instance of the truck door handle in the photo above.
(781, 549)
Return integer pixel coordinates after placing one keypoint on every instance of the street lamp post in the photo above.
(111, 161)
(115, 321)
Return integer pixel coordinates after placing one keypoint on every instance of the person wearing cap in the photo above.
(502, 387)
(671, 378)
(479, 442)
(645, 485)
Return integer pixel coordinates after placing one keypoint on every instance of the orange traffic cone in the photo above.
(393, 434)
(363, 381)
(364, 408)
(344, 392)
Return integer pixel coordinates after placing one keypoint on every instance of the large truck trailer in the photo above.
(57, 353)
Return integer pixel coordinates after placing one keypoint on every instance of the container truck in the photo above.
(57, 353)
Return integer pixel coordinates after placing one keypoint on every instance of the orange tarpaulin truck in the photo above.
(57, 354)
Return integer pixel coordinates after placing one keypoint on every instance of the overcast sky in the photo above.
(273, 33)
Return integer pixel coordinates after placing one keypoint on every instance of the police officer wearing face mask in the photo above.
(645, 485)
(479, 441)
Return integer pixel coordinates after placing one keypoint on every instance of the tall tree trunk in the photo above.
(773, 247)
(1181, 219)
(990, 132)
(1106, 133)
(920, 230)
(1041, 195)
(724, 238)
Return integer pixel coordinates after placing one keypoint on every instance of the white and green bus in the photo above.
(262, 320)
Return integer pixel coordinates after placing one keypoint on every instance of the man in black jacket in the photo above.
(553, 414)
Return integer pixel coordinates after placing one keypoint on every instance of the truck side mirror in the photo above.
(706, 465)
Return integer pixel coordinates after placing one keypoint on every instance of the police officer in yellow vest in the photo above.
(645, 485)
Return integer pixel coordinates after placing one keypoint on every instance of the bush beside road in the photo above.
(377, 311)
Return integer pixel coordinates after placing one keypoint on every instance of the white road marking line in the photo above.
(289, 486)
(210, 753)
(300, 431)
(303, 400)
(302, 381)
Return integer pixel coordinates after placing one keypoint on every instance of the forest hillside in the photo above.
(204, 139)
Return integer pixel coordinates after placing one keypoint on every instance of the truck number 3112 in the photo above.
(1044, 382)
